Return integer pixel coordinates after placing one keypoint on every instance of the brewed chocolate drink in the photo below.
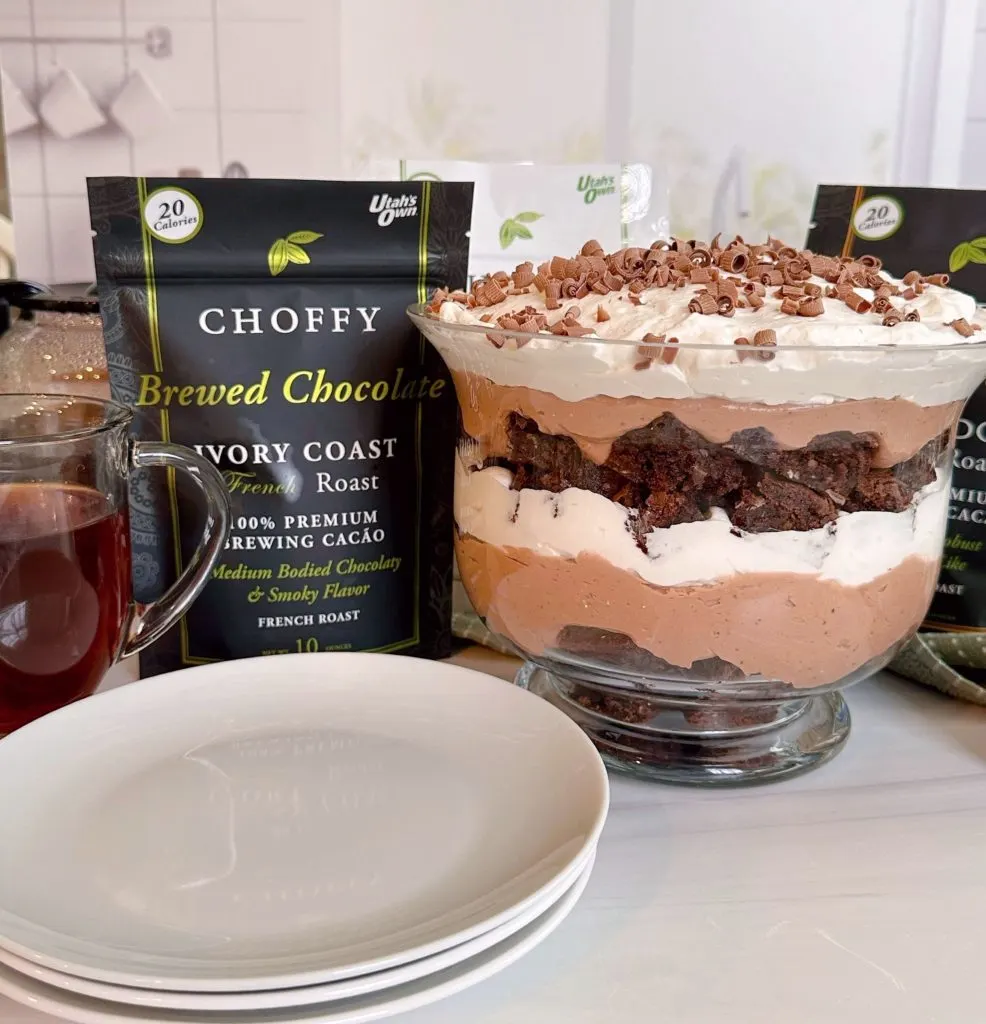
(64, 595)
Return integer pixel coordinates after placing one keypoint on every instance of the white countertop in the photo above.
(856, 893)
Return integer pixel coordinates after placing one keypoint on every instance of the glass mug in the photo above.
(66, 606)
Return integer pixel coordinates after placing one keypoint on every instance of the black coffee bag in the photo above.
(262, 323)
(933, 230)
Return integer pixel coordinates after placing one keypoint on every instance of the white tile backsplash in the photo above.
(187, 78)
(262, 10)
(24, 168)
(68, 161)
(30, 215)
(169, 11)
(269, 145)
(48, 10)
(18, 61)
(190, 142)
(10, 9)
(262, 65)
(71, 240)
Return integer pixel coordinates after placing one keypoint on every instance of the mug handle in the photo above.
(150, 621)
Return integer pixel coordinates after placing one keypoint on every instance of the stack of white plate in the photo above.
(332, 837)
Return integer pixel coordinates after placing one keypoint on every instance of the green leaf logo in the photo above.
(289, 250)
(516, 227)
(967, 252)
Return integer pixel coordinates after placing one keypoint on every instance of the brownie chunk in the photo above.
(830, 463)
(775, 504)
(879, 491)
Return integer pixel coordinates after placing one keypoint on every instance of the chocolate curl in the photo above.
(558, 267)
(486, 318)
(703, 303)
(508, 323)
(592, 248)
(961, 325)
(540, 282)
(552, 295)
(701, 275)
(636, 287)
(874, 262)
(832, 292)
(811, 307)
(881, 304)
(912, 316)
(725, 286)
(544, 269)
(662, 276)
(789, 291)
(647, 353)
(919, 287)
(497, 340)
(735, 261)
(857, 303)
(767, 340)
(601, 315)
(762, 254)
(754, 300)
(668, 355)
(598, 265)
(524, 275)
(570, 287)
(754, 287)
(614, 281)
(471, 301)
(769, 277)
(908, 294)
(491, 293)
(774, 243)
(726, 305)
(881, 288)
(517, 291)
(813, 290)
(795, 270)
(787, 252)
(502, 278)
(635, 300)
(939, 279)
(700, 256)
(790, 307)
(892, 319)
(821, 265)
(582, 291)
(601, 288)
(682, 263)
(912, 277)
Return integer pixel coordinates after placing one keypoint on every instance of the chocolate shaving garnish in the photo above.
(790, 307)
(668, 355)
(636, 287)
(812, 306)
(883, 290)
(497, 340)
(592, 248)
(558, 267)
(870, 261)
(789, 291)
(701, 275)
(831, 292)
(700, 256)
(754, 300)
(703, 303)
(601, 315)
(726, 305)
(508, 323)
(486, 318)
(491, 293)
(682, 263)
(813, 290)
(765, 337)
(857, 303)
(601, 288)
(647, 353)
(908, 293)
(939, 279)
(598, 265)
(881, 304)
(524, 275)
(540, 282)
(518, 291)
(769, 277)
(821, 265)
(786, 252)
(912, 316)
(471, 301)
(614, 281)
(892, 319)
(919, 288)
(502, 278)
(912, 277)
(962, 326)
(544, 269)
(635, 300)
(726, 286)
(754, 287)
(552, 295)
(794, 270)
(662, 276)
(582, 291)
(734, 260)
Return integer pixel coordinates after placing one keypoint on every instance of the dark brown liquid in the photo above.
(64, 595)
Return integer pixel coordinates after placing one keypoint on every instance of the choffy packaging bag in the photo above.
(531, 211)
(934, 230)
(262, 323)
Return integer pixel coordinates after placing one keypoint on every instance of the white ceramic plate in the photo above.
(277, 822)
(86, 1010)
(307, 995)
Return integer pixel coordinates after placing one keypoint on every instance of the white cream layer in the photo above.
(805, 369)
(856, 548)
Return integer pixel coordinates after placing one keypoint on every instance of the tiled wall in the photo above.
(974, 150)
(300, 88)
(247, 82)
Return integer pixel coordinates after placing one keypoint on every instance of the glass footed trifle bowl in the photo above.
(702, 488)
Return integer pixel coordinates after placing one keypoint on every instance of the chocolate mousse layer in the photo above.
(794, 628)
(670, 474)
(902, 428)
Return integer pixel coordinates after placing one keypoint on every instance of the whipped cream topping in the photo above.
(856, 548)
(924, 361)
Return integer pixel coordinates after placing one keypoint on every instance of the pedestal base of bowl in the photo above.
(713, 741)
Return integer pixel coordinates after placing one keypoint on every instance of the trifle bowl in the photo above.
(703, 487)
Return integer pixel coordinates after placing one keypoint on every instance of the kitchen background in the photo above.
(741, 107)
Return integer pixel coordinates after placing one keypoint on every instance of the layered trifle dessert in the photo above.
(723, 463)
